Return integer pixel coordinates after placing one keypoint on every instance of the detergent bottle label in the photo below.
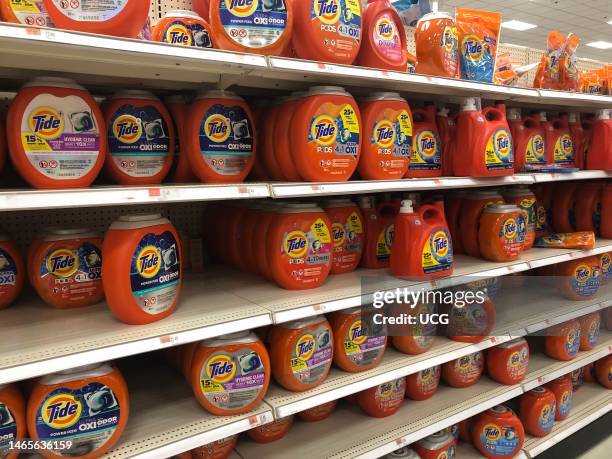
(593, 332)
(469, 367)
(138, 140)
(564, 150)
(499, 153)
(565, 403)
(31, 13)
(535, 151)
(312, 355)
(478, 58)
(392, 138)
(426, 152)
(384, 242)
(337, 23)
(547, 417)
(606, 266)
(572, 342)
(226, 139)
(348, 239)
(386, 37)
(499, 440)
(427, 380)
(155, 272)
(423, 331)
(90, 10)
(512, 234)
(360, 348)
(8, 429)
(183, 34)
(450, 49)
(437, 253)
(232, 380)
(530, 208)
(307, 253)
(518, 362)
(254, 23)
(586, 280)
(390, 394)
(469, 320)
(8, 275)
(69, 272)
(87, 417)
(60, 136)
(333, 137)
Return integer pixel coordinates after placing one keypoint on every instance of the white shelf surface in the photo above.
(166, 419)
(579, 175)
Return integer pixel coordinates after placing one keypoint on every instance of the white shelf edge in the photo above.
(579, 175)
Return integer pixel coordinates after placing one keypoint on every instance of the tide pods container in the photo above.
(12, 273)
(54, 136)
(183, 28)
(12, 419)
(220, 137)
(143, 268)
(92, 399)
(140, 138)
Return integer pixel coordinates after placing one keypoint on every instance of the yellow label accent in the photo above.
(349, 119)
(320, 231)
(355, 224)
(32, 142)
(208, 385)
(353, 7)
(24, 6)
(405, 123)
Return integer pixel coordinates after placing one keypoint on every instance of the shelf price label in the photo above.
(169, 340)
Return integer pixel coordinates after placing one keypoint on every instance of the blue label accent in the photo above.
(547, 417)
(477, 58)
(253, 23)
(155, 263)
(182, 34)
(565, 404)
(86, 261)
(8, 429)
(336, 13)
(499, 440)
(138, 131)
(8, 270)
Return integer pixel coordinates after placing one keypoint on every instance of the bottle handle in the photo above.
(426, 211)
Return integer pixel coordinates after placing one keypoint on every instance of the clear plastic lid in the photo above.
(436, 440)
(56, 82)
(384, 96)
(518, 191)
(483, 195)
(62, 234)
(436, 15)
(134, 94)
(183, 14)
(243, 337)
(403, 453)
(217, 94)
(177, 99)
(135, 221)
(86, 371)
(293, 325)
(327, 90)
(501, 209)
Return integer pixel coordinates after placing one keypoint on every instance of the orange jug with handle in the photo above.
(562, 144)
(527, 139)
(605, 227)
(599, 155)
(578, 137)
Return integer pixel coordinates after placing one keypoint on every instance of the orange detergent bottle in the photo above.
(426, 157)
(452, 208)
(3, 148)
(563, 219)
(272, 431)
(252, 26)
(418, 337)
(563, 391)
(12, 419)
(464, 371)
(220, 449)
(599, 154)
(122, 19)
(202, 7)
(383, 400)
(220, 137)
(436, 45)
(543, 194)
(606, 214)
(537, 411)
(347, 234)
(93, 398)
(423, 384)
(327, 30)
(357, 347)
(522, 197)
(387, 145)
(498, 433)
(260, 232)
(183, 28)
(527, 139)
(603, 371)
(472, 322)
(578, 138)
(318, 413)
(378, 232)
(422, 248)
(301, 352)
(501, 235)
(54, 130)
(12, 274)
(327, 134)
(446, 129)
(507, 363)
(181, 171)
(141, 268)
(268, 144)
(589, 330)
(384, 44)
(66, 268)
(579, 279)
(230, 374)
(140, 138)
(299, 246)
(563, 341)
(484, 142)
(29, 13)
(281, 141)
(561, 146)
(469, 218)
(605, 262)
(441, 444)
(587, 209)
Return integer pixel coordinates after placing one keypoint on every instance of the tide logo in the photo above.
(582, 274)
(127, 129)
(384, 134)
(443, 455)
(567, 146)
(295, 244)
(324, 130)
(472, 47)
(515, 359)
(426, 375)
(385, 29)
(389, 235)
(509, 228)
(440, 245)
(339, 234)
(305, 347)
(449, 39)
(327, 11)
(546, 413)
(46, 122)
(502, 144)
(217, 128)
(62, 263)
(605, 262)
(178, 34)
(241, 8)
(221, 369)
(538, 146)
(357, 333)
(61, 411)
(148, 261)
(427, 144)
(492, 432)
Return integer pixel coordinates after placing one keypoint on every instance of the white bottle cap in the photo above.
(543, 116)
(406, 207)
(602, 114)
(470, 104)
(574, 117)
(513, 114)
(443, 112)
(365, 202)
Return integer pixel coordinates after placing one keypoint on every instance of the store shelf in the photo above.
(576, 99)
(52, 340)
(579, 175)
(590, 402)
(166, 419)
